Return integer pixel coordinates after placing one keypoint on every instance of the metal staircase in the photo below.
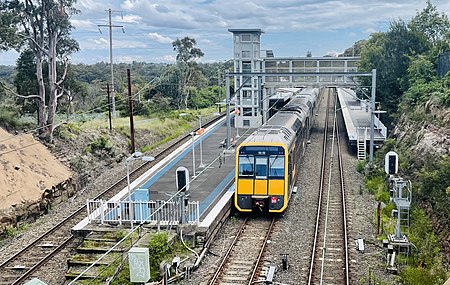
(361, 144)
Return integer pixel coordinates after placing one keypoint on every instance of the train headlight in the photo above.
(273, 200)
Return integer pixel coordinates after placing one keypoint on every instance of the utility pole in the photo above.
(219, 82)
(109, 106)
(130, 104)
(110, 26)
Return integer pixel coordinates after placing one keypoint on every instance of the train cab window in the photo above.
(246, 165)
(276, 166)
(261, 167)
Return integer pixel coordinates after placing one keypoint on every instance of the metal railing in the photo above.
(152, 212)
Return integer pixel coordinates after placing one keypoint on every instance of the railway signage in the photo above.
(182, 178)
(200, 131)
(391, 163)
(139, 263)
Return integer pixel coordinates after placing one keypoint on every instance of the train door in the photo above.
(261, 169)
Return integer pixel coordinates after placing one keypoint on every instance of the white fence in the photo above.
(380, 126)
(152, 212)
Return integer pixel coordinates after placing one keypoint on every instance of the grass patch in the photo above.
(147, 123)
(68, 131)
(117, 235)
(15, 231)
(376, 185)
(360, 166)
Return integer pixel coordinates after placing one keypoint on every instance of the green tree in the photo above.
(43, 27)
(434, 25)
(355, 50)
(168, 86)
(187, 54)
(389, 53)
(25, 81)
(74, 92)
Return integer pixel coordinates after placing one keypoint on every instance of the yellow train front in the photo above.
(267, 161)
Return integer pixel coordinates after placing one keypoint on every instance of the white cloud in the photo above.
(160, 38)
(83, 24)
(133, 19)
(369, 31)
(166, 58)
(292, 27)
(128, 59)
(101, 41)
(90, 5)
(333, 53)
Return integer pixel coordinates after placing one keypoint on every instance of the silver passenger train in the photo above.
(267, 162)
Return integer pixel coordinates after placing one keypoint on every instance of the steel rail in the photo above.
(322, 178)
(43, 260)
(261, 252)
(327, 208)
(227, 254)
(136, 172)
(324, 213)
(344, 209)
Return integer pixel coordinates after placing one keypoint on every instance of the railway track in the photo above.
(329, 255)
(241, 262)
(20, 266)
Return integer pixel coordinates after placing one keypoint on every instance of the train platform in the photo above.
(356, 113)
(211, 172)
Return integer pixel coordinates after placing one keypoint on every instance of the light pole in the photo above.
(200, 132)
(193, 155)
(236, 113)
(372, 115)
(135, 156)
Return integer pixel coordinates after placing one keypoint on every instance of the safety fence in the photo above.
(159, 212)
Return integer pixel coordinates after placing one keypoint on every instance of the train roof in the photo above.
(281, 128)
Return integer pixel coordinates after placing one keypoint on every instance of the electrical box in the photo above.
(35, 281)
(182, 178)
(391, 163)
(139, 263)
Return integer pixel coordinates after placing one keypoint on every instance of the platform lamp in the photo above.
(135, 156)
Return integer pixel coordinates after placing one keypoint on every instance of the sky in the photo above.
(291, 27)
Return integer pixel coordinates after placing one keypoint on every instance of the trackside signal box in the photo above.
(182, 178)
(139, 264)
(391, 163)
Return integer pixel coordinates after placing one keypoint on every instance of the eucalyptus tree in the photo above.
(434, 25)
(42, 26)
(187, 54)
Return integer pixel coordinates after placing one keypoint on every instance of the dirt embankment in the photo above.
(30, 178)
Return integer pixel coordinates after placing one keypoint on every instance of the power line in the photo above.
(72, 117)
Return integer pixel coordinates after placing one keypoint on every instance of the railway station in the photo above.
(207, 159)
(210, 168)
(192, 188)
(357, 113)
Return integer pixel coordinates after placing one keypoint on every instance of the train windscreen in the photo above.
(276, 165)
(261, 162)
(246, 165)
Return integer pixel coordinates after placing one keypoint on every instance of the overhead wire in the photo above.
(73, 116)
(208, 166)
